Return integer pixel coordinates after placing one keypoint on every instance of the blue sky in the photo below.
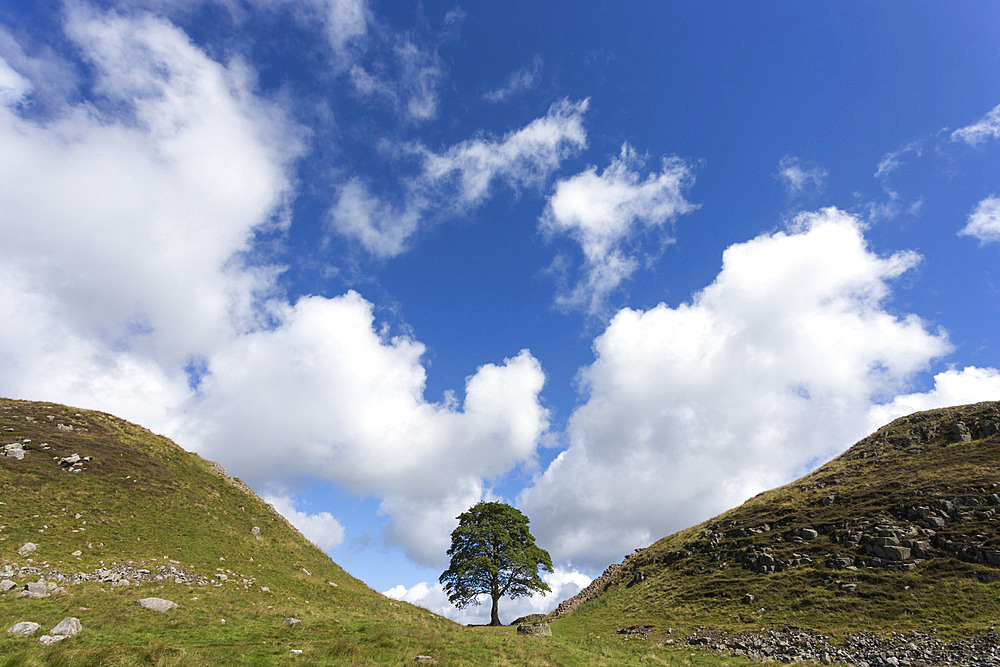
(623, 265)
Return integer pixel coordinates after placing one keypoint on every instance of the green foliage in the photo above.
(493, 552)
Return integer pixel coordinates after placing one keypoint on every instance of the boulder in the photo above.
(14, 451)
(535, 629)
(24, 628)
(156, 604)
(49, 640)
(69, 626)
(27, 548)
(7, 585)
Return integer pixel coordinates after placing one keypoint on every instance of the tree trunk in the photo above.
(494, 616)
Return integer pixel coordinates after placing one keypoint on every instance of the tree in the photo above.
(492, 551)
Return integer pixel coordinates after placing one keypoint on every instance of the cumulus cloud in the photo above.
(986, 128)
(798, 177)
(602, 212)
(692, 409)
(139, 212)
(565, 583)
(984, 222)
(325, 394)
(952, 387)
(320, 528)
(460, 178)
(517, 83)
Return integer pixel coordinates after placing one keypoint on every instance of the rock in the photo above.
(37, 588)
(535, 629)
(24, 628)
(959, 432)
(156, 604)
(748, 599)
(425, 660)
(69, 460)
(27, 548)
(7, 585)
(265, 589)
(808, 533)
(292, 622)
(255, 530)
(49, 640)
(58, 591)
(69, 626)
(14, 451)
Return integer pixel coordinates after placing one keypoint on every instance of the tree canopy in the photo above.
(493, 552)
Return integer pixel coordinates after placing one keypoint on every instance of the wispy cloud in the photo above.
(984, 221)
(798, 177)
(986, 128)
(518, 82)
(459, 178)
(602, 212)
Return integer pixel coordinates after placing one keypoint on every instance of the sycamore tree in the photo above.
(493, 552)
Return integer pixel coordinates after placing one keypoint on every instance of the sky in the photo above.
(622, 265)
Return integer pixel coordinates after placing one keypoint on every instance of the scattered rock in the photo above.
(69, 626)
(27, 548)
(535, 629)
(637, 630)
(156, 604)
(69, 460)
(24, 628)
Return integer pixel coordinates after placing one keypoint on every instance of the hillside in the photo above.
(900, 533)
(118, 514)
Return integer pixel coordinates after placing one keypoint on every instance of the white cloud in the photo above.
(517, 83)
(324, 394)
(797, 176)
(13, 86)
(692, 409)
(138, 215)
(952, 387)
(604, 211)
(565, 583)
(986, 128)
(405, 78)
(460, 178)
(984, 222)
(320, 528)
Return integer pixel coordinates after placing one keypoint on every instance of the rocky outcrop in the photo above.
(535, 629)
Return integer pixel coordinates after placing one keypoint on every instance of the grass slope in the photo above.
(144, 504)
(914, 482)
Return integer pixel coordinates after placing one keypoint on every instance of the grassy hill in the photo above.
(900, 533)
(139, 517)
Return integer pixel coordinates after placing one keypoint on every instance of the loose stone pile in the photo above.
(863, 649)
